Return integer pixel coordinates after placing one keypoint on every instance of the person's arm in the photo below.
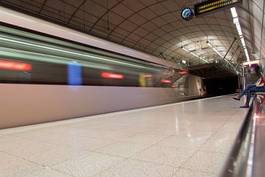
(259, 83)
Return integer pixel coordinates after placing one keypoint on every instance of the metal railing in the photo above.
(237, 163)
(246, 158)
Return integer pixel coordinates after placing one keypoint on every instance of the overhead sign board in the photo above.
(211, 5)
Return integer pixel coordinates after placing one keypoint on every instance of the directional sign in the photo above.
(211, 5)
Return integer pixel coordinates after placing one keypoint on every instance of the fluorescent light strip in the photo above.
(246, 53)
(194, 54)
(233, 12)
(214, 49)
(251, 62)
(239, 30)
(243, 41)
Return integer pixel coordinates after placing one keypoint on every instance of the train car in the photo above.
(49, 72)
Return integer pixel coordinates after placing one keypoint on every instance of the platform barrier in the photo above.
(247, 157)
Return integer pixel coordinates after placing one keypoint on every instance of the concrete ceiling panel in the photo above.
(153, 26)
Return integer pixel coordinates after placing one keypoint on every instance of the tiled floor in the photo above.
(190, 139)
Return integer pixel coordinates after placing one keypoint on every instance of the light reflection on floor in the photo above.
(177, 140)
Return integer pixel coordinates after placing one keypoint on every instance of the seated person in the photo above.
(250, 89)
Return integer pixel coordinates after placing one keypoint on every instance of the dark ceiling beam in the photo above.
(147, 21)
(79, 20)
(130, 16)
(102, 16)
(150, 21)
(234, 53)
(42, 6)
(230, 47)
(75, 11)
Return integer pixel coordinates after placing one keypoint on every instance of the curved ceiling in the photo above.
(152, 26)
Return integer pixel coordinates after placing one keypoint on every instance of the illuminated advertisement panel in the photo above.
(211, 5)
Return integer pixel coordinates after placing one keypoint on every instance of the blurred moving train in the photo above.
(49, 72)
(37, 59)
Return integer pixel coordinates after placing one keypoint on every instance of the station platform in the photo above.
(187, 139)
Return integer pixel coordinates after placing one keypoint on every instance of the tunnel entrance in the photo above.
(221, 86)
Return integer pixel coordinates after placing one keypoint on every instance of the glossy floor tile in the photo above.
(203, 161)
(89, 165)
(186, 139)
(135, 168)
(165, 155)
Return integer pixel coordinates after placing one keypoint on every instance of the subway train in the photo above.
(49, 72)
(36, 59)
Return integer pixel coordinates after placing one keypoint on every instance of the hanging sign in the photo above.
(211, 5)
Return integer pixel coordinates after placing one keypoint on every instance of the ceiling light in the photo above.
(194, 54)
(246, 53)
(239, 31)
(184, 61)
(233, 12)
(243, 42)
(251, 62)
(214, 49)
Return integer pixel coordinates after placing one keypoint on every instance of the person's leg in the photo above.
(260, 89)
(246, 90)
(248, 94)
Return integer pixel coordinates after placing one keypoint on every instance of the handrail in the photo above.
(237, 162)
(247, 156)
(258, 169)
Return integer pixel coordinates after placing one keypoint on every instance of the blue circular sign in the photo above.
(187, 13)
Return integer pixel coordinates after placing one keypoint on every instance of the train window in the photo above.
(27, 57)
